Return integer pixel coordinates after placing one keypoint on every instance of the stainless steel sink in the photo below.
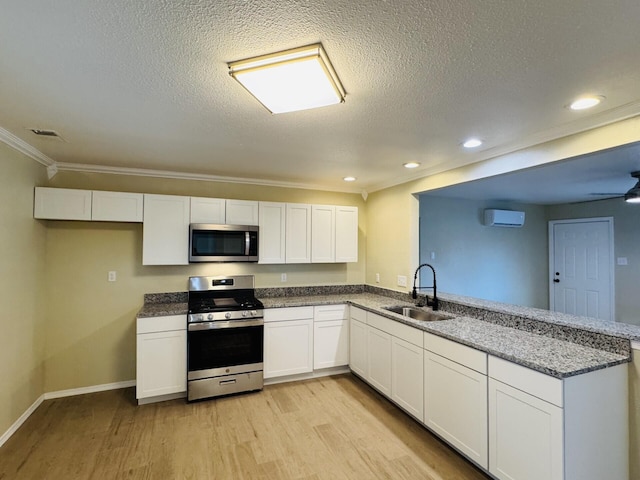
(418, 313)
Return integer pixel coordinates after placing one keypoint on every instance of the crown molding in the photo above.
(597, 120)
(144, 172)
(23, 147)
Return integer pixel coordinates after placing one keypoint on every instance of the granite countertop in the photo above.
(551, 356)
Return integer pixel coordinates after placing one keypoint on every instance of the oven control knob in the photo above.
(245, 313)
(253, 313)
(227, 315)
(210, 317)
(200, 318)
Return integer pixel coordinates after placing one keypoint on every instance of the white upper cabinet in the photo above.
(346, 234)
(241, 212)
(165, 230)
(271, 237)
(62, 204)
(298, 233)
(208, 210)
(323, 227)
(116, 206)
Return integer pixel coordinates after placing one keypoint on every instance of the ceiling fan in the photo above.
(632, 196)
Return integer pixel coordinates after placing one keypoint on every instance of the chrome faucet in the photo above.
(414, 293)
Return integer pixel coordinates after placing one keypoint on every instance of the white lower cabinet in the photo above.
(288, 341)
(161, 357)
(455, 405)
(525, 435)
(545, 427)
(358, 342)
(407, 376)
(379, 360)
(330, 336)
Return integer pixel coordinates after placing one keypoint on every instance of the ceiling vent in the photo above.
(503, 218)
(47, 133)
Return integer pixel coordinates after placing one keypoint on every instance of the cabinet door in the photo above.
(330, 344)
(208, 210)
(323, 240)
(298, 233)
(407, 376)
(525, 435)
(161, 361)
(272, 232)
(165, 230)
(62, 204)
(455, 405)
(358, 347)
(242, 212)
(346, 234)
(379, 360)
(288, 348)
(116, 206)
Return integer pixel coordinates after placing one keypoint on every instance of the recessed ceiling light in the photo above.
(583, 103)
(411, 164)
(472, 143)
(297, 79)
(349, 179)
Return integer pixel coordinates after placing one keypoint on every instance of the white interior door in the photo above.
(581, 264)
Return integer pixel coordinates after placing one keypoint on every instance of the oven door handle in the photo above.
(254, 322)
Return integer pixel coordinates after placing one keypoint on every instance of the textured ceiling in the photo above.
(144, 84)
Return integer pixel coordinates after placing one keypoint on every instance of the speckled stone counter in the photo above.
(163, 304)
(555, 344)
(558, 358)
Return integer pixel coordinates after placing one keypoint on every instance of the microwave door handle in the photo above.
(247, 243)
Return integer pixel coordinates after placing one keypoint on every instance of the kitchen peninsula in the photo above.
(509, 372)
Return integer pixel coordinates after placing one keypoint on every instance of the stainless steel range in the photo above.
(225, 334)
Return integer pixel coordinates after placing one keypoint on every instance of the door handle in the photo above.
(556, 280)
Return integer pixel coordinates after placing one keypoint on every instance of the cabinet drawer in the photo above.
(397, 329)
(324, 313)
(358, 314)
(289, 313)
(535, 383)
(161, 324)
(467, 356)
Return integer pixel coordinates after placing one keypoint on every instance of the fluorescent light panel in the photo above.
(292, 80)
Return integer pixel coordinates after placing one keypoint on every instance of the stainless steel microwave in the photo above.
(223, 243)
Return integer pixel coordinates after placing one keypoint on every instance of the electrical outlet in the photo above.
(283, 277)
(402, 281)
(111, 276)
(433, 255)
(377, 278)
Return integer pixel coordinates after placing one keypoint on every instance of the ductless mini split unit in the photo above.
(503, 218)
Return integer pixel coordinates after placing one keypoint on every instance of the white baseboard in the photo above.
(23, 418)
(59, 394)
(93, 389)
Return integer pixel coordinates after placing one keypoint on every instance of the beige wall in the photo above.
(22, 243)
(634, 415)
(91, 322)
(392, 226)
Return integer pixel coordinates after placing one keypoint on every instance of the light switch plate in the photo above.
(402, 281)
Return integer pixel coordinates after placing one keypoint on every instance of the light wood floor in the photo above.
(328, 428)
